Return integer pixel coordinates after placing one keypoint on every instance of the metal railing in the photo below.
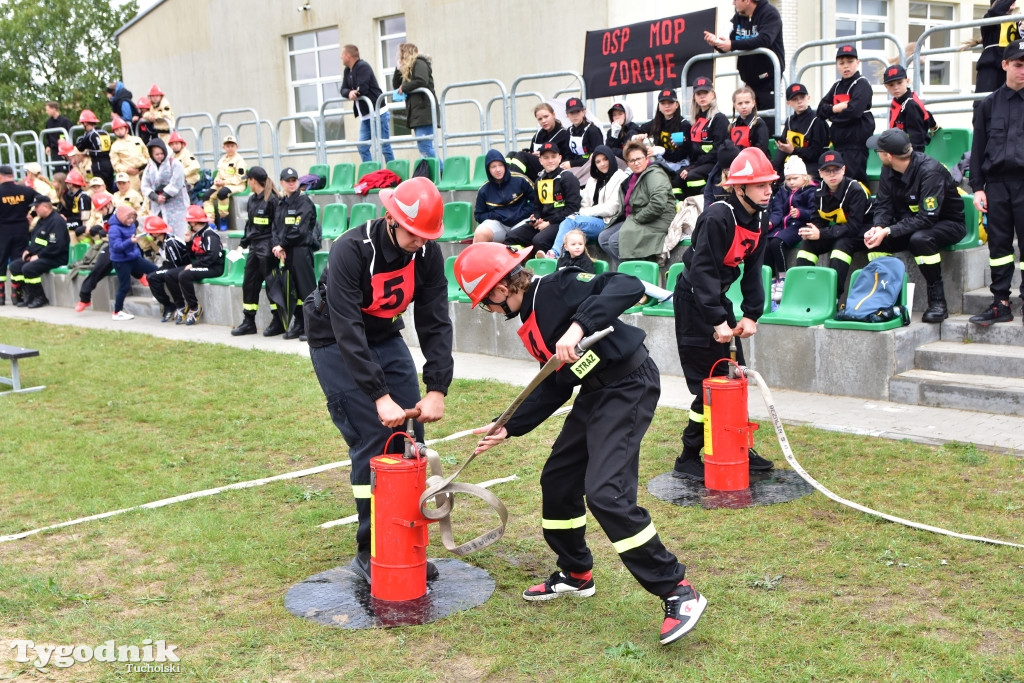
(796, 75)
(514, 131)
(346, 145)
(487, 131)
(47, 163)
(779, 109)
(400, 140)
(255, 121)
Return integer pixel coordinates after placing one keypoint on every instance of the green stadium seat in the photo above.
(479, 175)
(735, 293)
(972, 221)
(322, 170)
(335, 221)
(455, 292)
(235, 234)
(75, 254)
(456, 174)
(360, 213)
(320, 262)
(773, 147)
(600, 266)
(808, 299)
(665, 308)
(458, 222)
(874, 169)
(876, 327)
(541, 266)
(644, 270)
(364, 168)
(234, 273)
(400, 167)
(342, 180)
(319, 213)
(948, 145)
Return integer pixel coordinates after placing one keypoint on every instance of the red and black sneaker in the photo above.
(683, 607)
(579, 584)
(997, 312)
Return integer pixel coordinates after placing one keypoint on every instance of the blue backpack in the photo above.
(875, 296)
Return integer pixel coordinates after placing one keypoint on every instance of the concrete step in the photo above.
(142, 306)
(1000, 395)
(977, 300)
(997, 360)
(957, 329)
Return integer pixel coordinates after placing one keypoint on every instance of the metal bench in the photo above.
(13, 354)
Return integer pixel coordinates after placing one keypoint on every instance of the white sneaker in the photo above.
(121, 315)
(777, 290)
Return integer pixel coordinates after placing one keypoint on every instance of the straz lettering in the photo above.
(585, 364)
(14, 199)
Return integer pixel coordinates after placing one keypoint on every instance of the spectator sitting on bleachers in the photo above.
(600, 199)
(126, 195)
(35, 179)
(648, 206)
(76, 160)
(186, 157)
(584, 135)
(96, 187)
(556, 197)
(125, 256)
(503, 202)
(127, 152)
(747, 128)
(527, 161)
(207, 261)
(230, 180)
(709, 130)
(47, 249)
(163, 183)
(99, 251)
(668, 121)
(791, 208)
(160, 114)
(622, 127)
(75, 203)
(174, 256)
(574, 252)
(805, 133)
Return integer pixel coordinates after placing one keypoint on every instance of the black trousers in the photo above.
(258, 266)
(1005, 221)
(299, 263)
(840, 253)
(596, 458)
(542, 240)
(12, 245)
(925, 245)
(177, 286)
(31, 272)
(101, 268)
(856, 159)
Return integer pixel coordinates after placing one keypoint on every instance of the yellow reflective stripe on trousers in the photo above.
(360, 491)
(250, 307)
(17, 278)
(807, 256)
(696, 183)
(635, 541)
(1001, 261)
(928, 259)
(33, 280)
(872, 255)
(841, 255)
(696, 417)
(563, 524)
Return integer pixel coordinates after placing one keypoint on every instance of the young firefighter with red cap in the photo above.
(96, 143)
(594, 461)
(906, 110)
(354, 322)
(175, 288)
(847, 105)
(187, 159)
(728, 233)
(174, 255)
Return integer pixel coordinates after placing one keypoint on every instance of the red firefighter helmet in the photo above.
(117, 122)
(87, 117)
(155, 90)
(64, 147)
(751, 166)
(155, 225)
(176, 138)
(195, 214)
(483, 265)
(143, 103)
(417, 206)
(101, 200)
(75, 178)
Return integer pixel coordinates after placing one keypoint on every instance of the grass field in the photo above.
(806, 591)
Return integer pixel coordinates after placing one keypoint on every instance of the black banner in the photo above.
(647, 56)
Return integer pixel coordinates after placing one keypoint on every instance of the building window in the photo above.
(937, 69)
(855, 17)
(392, 34)
(314, 76)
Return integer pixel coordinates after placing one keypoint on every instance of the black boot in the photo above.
(38, 297)
(18, 295)
(298, 327)
(3, 293)
(936, 312)
(248, 325)
(275, 327)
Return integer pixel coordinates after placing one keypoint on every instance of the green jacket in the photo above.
(417, 106)
(652, 207)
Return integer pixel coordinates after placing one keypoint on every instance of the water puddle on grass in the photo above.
(766, 488)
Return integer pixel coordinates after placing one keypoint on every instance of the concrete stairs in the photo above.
(969, 367)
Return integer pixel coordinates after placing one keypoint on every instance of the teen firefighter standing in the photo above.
(354, 324)
(728, 233)
(596, 456)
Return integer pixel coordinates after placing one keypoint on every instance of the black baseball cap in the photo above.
(893, 141)
(830, 157)
(616, 107)
(289, 173)
(667, 95)
(794, 90)
(1014, 50)
(574, 104)
(40, 199)
(6, 170)
(549, 147)
(702, 83)
(258, 173)
(847, 51)
(894, 73)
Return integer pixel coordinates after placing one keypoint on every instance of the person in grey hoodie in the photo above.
(623, 129)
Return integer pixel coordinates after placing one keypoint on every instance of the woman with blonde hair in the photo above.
(414, 72)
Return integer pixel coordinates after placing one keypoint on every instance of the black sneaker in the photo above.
(683, 607)
(170, 313)
(360, 564)
(998, 312)
(759, 464)
(689, 468)
(559, 584)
